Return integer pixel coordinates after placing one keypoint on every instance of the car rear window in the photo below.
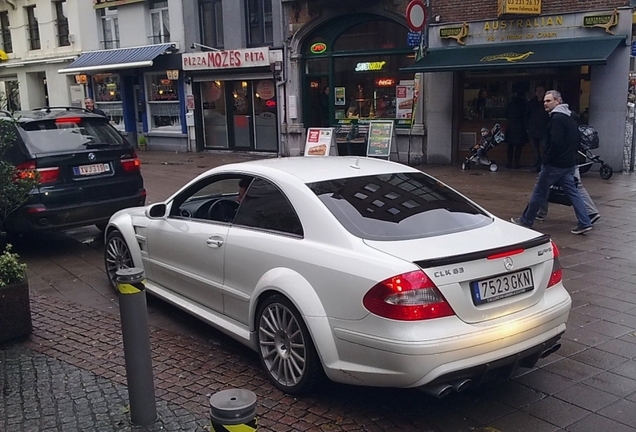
(399, 206)
(69, 134)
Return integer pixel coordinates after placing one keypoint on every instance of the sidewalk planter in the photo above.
(15, 311)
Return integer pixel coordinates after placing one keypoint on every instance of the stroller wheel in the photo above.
(493, 167)
(606, 171)
(465, 166)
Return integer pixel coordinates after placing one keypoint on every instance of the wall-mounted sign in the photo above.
(318, 48)
(172, 74)
(457, 33)
(384, 82)
(404, 101)
(266, 89)
(605, 21)
(370, 66)
(519, 7)
(239, 58)
(81, 79)
(100, 4)
(314, 84)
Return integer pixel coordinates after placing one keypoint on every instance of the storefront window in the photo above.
(372, 87)
(163, 102)
(353, 74)
(107, 96)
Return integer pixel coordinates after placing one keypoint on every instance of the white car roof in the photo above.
(314, 169)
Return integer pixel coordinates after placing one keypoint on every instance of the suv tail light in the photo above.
(556, 275)
(407, 297)
(131, 165)
(28, 169)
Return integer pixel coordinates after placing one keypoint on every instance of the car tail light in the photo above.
(407, 297)
(28, 170)
(68, 120)
(556, 275)
(131, 165)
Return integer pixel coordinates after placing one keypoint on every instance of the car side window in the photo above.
(266, 207)
(212, 199)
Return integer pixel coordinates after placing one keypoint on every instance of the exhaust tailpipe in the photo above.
(461, 385)
(439, 391)
(554, 348)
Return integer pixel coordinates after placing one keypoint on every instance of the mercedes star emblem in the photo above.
(508, 264)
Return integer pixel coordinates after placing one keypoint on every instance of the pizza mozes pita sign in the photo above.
(227, 59)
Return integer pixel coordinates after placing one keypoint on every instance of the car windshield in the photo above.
(400, 206)
(69, 133)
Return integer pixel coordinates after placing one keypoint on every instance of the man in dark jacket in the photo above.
(90, 106)
(537, 123)
(559, 162)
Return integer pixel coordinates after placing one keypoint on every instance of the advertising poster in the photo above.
(339, 93)
(380, 137)
(319, 141)
(404, 101)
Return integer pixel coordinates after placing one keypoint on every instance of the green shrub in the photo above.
(11, 269)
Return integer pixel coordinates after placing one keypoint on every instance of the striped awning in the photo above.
(120, 58)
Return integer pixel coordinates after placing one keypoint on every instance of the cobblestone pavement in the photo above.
(69, 374)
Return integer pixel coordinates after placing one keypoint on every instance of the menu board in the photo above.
(380, 138)
(320, 141)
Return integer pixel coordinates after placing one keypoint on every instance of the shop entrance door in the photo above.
(242, 115)
(320, 101)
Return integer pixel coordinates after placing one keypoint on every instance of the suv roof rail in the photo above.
(67, 108)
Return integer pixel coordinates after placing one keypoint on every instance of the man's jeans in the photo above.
(549, 176)
(585, 196)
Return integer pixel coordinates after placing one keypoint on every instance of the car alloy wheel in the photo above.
(116, 256)
(285, 347)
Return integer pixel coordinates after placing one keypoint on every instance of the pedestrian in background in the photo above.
(516, 135)
(561, 145)
(90, 106)
(537, 122)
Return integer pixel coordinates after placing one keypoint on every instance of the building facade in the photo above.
(129, 64)
(582, 50)
(38, 37)
(234, 69)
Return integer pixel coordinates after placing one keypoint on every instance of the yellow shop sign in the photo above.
(519, 7)
(457, 33)
(606, 21)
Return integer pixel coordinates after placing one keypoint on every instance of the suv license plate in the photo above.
(502, 286)
(85, 170)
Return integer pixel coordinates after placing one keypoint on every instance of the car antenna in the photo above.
(356, 164)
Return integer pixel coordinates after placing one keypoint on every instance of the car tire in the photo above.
(292, 365)
(116, 256)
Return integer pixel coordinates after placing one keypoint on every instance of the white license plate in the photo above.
(91, 169)
(502, 286)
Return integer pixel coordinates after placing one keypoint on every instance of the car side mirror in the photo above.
(156, 211)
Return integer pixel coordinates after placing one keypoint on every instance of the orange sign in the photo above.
(318, 48)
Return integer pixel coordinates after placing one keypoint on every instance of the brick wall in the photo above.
(473, 10)
(458, 10)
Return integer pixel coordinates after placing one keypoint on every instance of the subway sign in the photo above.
(370, 66)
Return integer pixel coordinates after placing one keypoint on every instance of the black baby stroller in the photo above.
(490, 138)
(589, 141)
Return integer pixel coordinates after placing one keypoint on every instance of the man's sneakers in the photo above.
(539, 218)
(594, 218)
(581, 229)
(517, 221)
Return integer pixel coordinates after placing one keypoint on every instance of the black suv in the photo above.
(87, 169)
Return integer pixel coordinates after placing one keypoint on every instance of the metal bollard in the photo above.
(134, 327)
(233, 411)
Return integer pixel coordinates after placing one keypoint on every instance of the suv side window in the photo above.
(266, 207)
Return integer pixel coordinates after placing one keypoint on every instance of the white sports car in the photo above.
(367, 271)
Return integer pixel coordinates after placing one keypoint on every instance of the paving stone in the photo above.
(596, 423)
(586, 397)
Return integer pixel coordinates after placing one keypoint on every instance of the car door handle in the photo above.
(215, 242)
